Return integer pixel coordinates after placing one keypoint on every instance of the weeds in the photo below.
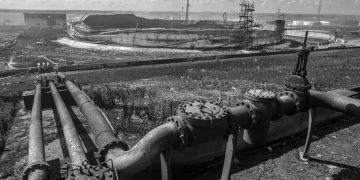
(132, 110)
(7, 114)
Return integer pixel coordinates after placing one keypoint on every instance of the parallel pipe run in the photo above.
(99, 126)
(37, 168)
(112, 150)
(337, 102)
(74, 145)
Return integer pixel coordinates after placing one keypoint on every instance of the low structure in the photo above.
(344, 23)
(326, 23)
(306, 23)
(131, 30)
(42, 20)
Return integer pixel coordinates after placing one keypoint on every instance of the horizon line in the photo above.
(78, 10)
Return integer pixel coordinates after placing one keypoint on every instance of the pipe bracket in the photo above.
(103, 150)
(36, 166)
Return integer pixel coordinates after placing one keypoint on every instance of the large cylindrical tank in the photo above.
(273, 25)
(344, 23)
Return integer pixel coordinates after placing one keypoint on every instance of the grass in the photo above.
(146, 92)
(136, 99)
(7, 114)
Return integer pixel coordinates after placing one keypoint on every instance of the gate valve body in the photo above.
(204, 121)
(262, 107)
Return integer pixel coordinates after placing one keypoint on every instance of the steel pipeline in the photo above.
(113, 151)
(99, 126)
(37, 168)
(74, 145)
(167, 135)
(337, 102)
(253, 116)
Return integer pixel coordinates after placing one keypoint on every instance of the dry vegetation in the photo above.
(7, 113)
(136, 99)
(144, 94)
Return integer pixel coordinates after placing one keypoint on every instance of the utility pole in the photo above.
(187, 11)
(319, 10)
(281, 14)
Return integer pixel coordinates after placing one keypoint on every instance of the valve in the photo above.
(201, 121)
(298, 82)
(261, 105)
(202, 114)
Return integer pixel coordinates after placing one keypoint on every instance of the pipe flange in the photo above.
(181, 126)
(34, 166)
(202, 114)
(295, 97)
(298, 84)
(103, 150)
(261, 95)
(251, 110)
(278, 115)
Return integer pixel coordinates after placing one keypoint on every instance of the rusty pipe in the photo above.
(112, 151)
(74, 145)
(143, 154)
(37, 168)
(336, 102)
(99, 126)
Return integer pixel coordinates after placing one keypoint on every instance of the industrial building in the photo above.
(41, 20)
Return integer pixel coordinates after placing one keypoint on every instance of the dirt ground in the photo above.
(335, 153)
(61, 49)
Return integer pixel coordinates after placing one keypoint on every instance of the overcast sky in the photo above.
(287, 6)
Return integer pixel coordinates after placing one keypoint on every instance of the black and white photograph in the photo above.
(180, 89)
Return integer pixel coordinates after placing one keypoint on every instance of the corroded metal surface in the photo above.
(100, 128)
(340, 103)
(37, 168)
(74, 145)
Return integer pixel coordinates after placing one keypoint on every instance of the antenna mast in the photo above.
(247, 22)
(319, 10)
(187, 11)
(281, 14)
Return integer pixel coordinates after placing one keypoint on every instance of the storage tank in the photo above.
(344, 23)
(298, 23)
(325, 23)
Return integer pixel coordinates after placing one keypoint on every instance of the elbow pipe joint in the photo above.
(41, 166)
(104, 149)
